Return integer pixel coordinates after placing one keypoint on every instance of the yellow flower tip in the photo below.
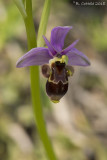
(70, 73)
(55, 101)
(65, 59)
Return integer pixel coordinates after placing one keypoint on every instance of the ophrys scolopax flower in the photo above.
(56, 62)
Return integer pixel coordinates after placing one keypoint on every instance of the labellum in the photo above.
(57, 73)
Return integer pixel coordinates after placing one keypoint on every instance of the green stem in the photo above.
(35, 84)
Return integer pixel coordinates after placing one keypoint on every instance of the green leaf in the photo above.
(43, 23)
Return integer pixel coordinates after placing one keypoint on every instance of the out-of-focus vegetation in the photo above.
(78, 124)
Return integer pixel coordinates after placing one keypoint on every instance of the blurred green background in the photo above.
(78, 124)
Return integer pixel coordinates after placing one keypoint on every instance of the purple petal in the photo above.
(36, 56)
(58, 35)
(77, 58)
(50, 47)
(66, 50)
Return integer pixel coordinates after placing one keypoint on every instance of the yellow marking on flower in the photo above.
(63, 59)
(55, 101)
(70, 73)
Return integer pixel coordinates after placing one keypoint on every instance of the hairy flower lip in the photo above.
(42, 55)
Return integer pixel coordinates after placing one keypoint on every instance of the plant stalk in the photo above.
(35, 84)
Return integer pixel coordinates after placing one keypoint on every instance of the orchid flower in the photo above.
(56, 62)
